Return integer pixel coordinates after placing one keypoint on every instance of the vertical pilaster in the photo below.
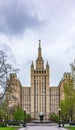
(32, 90)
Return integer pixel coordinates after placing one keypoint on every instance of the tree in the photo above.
(3, 111)
(54, 117)
(68, 104)
(19, 115)
(28, 117)
(5, 69)
(64, 111)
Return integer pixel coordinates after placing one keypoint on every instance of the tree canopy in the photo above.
(68, 104)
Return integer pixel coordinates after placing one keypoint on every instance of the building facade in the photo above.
(40, 94)
(40, 98)
(14, 93)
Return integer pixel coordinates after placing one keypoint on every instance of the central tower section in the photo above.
(40, 92)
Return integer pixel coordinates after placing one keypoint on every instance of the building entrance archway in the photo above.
(41, 115)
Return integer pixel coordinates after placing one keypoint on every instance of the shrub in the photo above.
(3, 124)
(54, 117)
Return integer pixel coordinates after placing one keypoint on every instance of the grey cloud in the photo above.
(14, 18)
(8, 53)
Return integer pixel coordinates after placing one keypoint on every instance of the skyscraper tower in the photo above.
(40, 92)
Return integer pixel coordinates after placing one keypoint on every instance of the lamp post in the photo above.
(59, 109)
(24, 124)
(7, 118)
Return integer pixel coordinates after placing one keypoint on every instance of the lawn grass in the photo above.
(71, 128)
(8, 128)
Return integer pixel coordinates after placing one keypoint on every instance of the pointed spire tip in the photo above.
(39, 50)
(39, 43)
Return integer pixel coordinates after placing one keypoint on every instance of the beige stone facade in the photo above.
(40, 97)
(26, 99)
(40, 94)
(54, 100)
(14, 93)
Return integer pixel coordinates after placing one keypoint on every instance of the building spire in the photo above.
(32, 63)
(39, 50)
(47, 62)
(39, 43)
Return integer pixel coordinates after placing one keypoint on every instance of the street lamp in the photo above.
(59, 109)
(7, 118)
(24, 124)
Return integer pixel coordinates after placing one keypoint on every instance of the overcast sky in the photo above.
(24, 22)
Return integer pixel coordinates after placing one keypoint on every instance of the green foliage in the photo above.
(54, 117)
(19, 115)
(3, 124)
(68, 104)
(64, 110)
(70, 128)
(28, 117)
(8, 128)
(3, 110)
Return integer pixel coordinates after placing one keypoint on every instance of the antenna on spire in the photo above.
(32, 62)
(39, 49)
(39, 43)
(47, 62)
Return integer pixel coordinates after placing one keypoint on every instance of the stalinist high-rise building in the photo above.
(40, 98)
(40, 92)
